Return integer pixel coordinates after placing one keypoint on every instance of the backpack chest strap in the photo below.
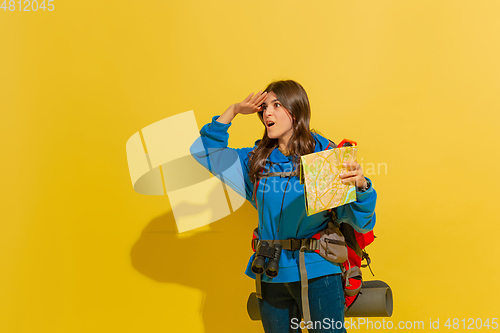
(279, 174)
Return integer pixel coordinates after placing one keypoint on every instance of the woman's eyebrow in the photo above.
(274, 100)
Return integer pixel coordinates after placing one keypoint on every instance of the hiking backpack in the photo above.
(355, 243)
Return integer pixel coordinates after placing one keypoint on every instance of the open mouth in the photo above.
(269, 124)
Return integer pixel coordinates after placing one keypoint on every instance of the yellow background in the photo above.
(416, 83)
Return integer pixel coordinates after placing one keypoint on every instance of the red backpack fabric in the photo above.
(356, 243)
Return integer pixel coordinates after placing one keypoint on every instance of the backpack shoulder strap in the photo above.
(331, 144)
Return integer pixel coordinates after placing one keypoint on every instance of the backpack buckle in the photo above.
(313, 245)
(255, 242)
(295, 244)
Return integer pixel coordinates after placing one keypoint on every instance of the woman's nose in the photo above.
(268, 111)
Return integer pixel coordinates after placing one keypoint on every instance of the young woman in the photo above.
(284, 110)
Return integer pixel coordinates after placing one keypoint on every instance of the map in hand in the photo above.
(319, 172)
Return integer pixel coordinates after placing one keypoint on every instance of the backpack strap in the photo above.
(331, 143)
(255, 186)
(305, 286)
(258, 285)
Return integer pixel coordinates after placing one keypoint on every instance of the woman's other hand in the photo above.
(354, 175)
(251, 104)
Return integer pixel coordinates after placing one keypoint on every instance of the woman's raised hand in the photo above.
(354, 175)
(251, 104)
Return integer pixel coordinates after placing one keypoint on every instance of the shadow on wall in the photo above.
(213, 262)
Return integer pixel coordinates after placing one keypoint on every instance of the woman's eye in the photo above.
(277, 105)
(263, 107)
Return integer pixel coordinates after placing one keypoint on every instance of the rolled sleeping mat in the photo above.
(374, 300)
(253, 307)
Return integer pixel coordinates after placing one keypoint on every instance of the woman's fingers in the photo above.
(352, 166)
(348, 174)
(261, 98)
(252, 103)
(258, 98)
(351, 177)
(353, 174)
(255, 97)
(248, 98)
(356, 180)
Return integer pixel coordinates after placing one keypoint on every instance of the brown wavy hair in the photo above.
(293, 98)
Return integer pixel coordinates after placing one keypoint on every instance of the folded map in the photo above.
(323, 188)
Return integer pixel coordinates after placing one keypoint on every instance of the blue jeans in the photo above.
(281, 306)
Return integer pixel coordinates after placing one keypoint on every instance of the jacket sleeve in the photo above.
(360, 214)
(228, 164)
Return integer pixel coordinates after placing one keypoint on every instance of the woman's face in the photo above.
(278, 120)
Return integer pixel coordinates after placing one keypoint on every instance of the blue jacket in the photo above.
(279, 209)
